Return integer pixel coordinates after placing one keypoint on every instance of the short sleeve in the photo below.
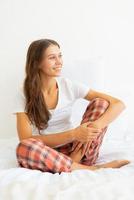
(79, 89)
(19, 101)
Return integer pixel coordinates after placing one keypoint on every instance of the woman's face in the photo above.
(52, 62)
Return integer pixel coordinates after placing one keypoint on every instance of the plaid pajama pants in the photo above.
(35, 154)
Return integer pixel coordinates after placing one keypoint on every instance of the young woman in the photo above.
(48, 140)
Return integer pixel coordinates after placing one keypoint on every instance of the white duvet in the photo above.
(110, 184)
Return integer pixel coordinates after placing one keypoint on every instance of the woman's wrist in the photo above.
(97, 124)
(72, 133)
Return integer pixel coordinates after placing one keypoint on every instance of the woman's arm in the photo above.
(116, 106)
(53, 140)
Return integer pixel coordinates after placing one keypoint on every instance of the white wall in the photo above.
(96, 35)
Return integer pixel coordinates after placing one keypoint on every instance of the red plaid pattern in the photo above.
(94, 110)
(35, 154)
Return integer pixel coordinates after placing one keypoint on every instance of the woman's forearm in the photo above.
(57, 139)
(116, 106)
(110, 114)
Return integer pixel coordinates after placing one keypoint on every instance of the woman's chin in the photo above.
(57, 74)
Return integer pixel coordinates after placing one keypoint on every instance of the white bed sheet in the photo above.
(110, 184)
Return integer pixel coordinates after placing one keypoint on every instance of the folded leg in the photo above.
(94, 110)
(35, 154)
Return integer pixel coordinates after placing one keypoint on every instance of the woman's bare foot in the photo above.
(115, 164)
(112, 164)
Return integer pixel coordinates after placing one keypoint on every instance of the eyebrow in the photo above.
(54, 54)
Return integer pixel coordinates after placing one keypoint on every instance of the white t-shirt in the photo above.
(69, 92)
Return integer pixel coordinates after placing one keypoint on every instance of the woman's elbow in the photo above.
(23, 136)
(120, 105)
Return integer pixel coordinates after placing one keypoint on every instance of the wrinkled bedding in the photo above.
(110, 184)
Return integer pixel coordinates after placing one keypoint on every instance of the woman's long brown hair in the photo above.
(35, 106)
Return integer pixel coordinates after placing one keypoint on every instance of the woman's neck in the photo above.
(49, 84)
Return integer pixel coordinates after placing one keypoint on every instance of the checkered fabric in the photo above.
(35, 154)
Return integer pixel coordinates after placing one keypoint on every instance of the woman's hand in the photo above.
(84, 135)
(86, 132)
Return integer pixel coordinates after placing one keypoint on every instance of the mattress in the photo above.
(111, 184)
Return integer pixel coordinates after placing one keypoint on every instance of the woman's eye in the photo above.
(52, 57)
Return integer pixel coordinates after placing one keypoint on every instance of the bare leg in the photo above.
(112, 164)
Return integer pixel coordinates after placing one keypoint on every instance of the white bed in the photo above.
(104, 184)
(110, 184)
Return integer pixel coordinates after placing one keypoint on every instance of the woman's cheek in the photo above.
(47, 65)
(51, 63)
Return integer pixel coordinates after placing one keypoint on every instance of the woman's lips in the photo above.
(57, 68)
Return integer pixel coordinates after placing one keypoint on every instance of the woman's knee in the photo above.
(99, 100)
(25, 150)
(29, 140)
(95, 109)
(34, 154)
(98, 104)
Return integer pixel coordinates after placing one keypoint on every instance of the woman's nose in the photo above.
(58, 61)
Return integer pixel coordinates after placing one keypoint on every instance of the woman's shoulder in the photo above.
(68, 81)
(79, 89)
(64, 80)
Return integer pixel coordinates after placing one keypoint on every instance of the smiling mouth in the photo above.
(57, 68)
